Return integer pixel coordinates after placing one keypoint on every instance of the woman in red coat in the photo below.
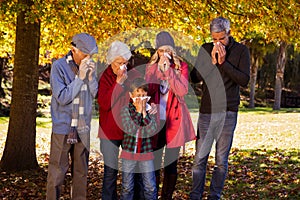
(112, 97)
(167, 76)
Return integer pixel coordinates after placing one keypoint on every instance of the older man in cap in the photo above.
(74, 86)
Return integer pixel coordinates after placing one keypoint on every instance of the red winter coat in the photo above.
(179, 126)
(112, 97)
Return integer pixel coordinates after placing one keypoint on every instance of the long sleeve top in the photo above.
(221, 83)
(179, 127)
(137, 144)
(65, 86)
(112, 97)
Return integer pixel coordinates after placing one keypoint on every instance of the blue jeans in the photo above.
(219, 127)
(148, 178)
(110, 152)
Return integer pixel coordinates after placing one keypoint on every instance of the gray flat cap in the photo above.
(85, 43)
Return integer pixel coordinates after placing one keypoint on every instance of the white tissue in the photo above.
(167, 55)
(148, 107)
(142, 98)
(122, 67)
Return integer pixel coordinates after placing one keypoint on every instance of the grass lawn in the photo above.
(264, 161)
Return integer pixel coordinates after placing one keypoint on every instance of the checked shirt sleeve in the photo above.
(149, 125)
(131, 123)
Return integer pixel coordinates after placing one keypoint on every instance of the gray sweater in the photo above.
(65, 88)
(221, 83)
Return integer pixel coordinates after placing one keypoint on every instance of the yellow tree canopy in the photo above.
(137, 21)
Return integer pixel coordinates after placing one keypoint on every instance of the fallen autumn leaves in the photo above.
(253, 174)
(263, 164)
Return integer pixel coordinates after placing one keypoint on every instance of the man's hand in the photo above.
(213, 55)
(91, 69)
(84, 67)
(218, 53)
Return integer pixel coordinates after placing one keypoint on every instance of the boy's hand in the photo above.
(140, 106)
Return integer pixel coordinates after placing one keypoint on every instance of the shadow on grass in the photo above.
(268, 110)
(258, 110)
(253, 174)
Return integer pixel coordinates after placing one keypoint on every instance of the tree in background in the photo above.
(19, 152)
(259, 48)
(277, 21)
(280, 23)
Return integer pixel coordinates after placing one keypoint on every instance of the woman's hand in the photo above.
(121, 76)
(144, 113)
(138, 105)
(153, 109)
(163, 63)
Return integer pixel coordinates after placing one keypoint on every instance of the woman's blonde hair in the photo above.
(155, 58)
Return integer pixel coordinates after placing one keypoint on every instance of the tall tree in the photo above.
(279, 82)
(258, 50)
(19, 152)
(281, 26)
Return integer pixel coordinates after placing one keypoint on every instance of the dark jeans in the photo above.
(110, 151)
(170, 157)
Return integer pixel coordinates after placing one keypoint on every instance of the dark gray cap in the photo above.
(85, 43)
(164, 38)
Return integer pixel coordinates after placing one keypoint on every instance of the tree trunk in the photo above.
(19, 152)
(281, 60)
(253, 77)
(2, 65)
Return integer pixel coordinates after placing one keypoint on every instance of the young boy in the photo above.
(137, 156)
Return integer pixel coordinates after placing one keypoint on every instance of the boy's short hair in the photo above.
(138, 83)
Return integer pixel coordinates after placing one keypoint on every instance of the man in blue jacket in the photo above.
(74, 86)
(222, 66)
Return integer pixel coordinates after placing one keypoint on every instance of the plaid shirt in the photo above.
(136, 144)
